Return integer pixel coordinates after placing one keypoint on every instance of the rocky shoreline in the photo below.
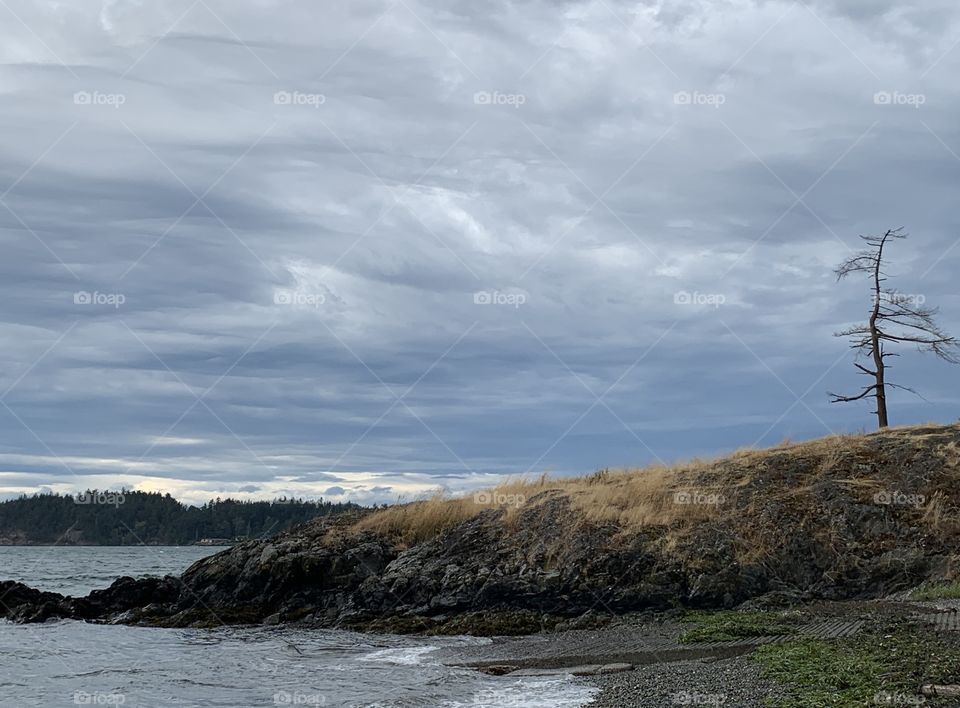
(797, 524)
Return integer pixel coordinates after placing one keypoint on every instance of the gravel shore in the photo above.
(723, 682)
(667, 672)
(708, 681)
(585, 646)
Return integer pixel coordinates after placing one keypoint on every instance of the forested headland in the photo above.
(128, 518)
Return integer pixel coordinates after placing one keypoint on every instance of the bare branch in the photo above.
(837, 398)
(908, 389)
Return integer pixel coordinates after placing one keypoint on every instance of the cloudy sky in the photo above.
(363, 249)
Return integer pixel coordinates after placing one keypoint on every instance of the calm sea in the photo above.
(67, 663)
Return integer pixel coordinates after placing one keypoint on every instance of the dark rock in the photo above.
(20, 603)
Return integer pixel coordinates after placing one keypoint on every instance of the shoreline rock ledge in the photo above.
(816, 520)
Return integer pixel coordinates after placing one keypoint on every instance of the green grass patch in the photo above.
(942, 591)
(858, 671)
(819, 673)
(729, 625)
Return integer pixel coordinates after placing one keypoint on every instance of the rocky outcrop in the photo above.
(798, 527)
(23, 604)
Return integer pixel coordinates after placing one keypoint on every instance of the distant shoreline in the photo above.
(133, 518)
(126, 545)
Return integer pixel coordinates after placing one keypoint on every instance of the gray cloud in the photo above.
(579, 164)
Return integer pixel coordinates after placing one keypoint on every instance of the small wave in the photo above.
(404, 656)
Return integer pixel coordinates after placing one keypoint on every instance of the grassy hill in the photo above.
(845, 517)
(836, 488)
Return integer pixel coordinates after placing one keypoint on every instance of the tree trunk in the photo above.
(881, 391)
(881, 401)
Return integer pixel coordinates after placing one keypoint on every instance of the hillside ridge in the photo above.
(844, 517)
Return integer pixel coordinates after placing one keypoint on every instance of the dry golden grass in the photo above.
(418, 521)
(683, 495)
(629, 499)
(653, 496)
(412, 523)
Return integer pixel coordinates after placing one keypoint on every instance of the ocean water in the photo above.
(67, 663)
(76, 570)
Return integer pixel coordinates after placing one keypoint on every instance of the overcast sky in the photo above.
(363, 249)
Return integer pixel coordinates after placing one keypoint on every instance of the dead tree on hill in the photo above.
(895, 318)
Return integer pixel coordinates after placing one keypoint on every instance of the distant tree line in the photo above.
(128, 518)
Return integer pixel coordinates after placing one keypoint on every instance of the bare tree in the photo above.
(894, 319)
